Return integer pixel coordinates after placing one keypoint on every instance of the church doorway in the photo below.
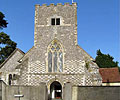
(55, 91)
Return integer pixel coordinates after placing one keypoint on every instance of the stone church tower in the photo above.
(56, 58)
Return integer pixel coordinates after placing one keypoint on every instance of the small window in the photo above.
(14, 76)
(58, 21)
(55, 21)
(10, 79)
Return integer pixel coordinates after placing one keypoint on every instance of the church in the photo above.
(56, 58)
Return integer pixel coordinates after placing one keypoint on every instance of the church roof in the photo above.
(110, 75)
(17, 49)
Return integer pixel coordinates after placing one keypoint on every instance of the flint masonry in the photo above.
(56, 58)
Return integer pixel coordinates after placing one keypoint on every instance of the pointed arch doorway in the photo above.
(56, 91)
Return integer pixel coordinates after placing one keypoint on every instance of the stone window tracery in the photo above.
(55, 57)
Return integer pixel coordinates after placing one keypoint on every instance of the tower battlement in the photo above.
(58, 4)
(67, 15)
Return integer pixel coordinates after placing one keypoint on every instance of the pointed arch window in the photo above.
(55, 57)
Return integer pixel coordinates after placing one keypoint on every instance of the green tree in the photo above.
(105, 60)
(7, 46)
(3, 22)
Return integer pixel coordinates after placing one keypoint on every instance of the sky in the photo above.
(98, 24)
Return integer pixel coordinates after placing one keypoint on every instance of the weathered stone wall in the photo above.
(98, 93)
(69, 93)
(34, 65)
(23, 77)
(45, 31)
(0, 90)
(10, 64)
(36, 79)
(28, 92)
(74, 69)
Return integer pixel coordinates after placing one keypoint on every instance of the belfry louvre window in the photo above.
(55, 57)
(55, 21)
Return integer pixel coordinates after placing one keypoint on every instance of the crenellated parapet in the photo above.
(44, 13)
(58, 4)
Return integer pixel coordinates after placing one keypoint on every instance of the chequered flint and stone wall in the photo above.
(75, 58)
(78, 66)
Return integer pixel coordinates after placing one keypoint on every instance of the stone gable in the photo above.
(10, 64)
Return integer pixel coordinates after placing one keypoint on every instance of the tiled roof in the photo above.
(110, 75)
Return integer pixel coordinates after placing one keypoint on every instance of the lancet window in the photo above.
(55, 57)
(10, 79)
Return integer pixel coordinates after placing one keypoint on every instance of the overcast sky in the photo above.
(97, 24)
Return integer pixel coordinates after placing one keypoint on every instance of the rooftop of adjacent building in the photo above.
(110, 75)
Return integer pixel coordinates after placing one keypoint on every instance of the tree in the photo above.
(7, 46)
(3, 22)
(105, 60)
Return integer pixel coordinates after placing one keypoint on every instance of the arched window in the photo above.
(55, 57)
(10, 79)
